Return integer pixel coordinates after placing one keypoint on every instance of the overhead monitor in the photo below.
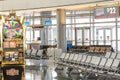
(48, 22)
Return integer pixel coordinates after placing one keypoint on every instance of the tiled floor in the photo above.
(43, 70)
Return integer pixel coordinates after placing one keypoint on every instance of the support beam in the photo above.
(61, 29)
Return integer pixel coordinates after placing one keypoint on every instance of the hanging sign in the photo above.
(107, 12)
(99, 13)
(112, 12)
(48, 22)
(27, 23)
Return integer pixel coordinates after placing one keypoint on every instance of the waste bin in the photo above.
(69, 46)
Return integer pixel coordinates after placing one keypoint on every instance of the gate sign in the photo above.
(107, 12)
(112, 12)
(99, 13)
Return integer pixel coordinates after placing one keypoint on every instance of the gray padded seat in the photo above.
(83, 59)
(85, 64)
(108, 54)
(88, 60)
(93, 59)
(101, 64)
(33, 53)
(28, 53)
(78, 60)
(118, 56)
(91, 63)
(39, 54)
(62, 56)
(50, 52)
(71, 57)
(107, 66)
(57, 52)
(94, 63)
(60, 60)
(115, 67)
(108, 63)
(113, 55)
(68, 58)
(74, 60)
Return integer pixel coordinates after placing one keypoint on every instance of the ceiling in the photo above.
(7, 5)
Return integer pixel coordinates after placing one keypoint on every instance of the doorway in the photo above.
(82, 36)
(104, 36)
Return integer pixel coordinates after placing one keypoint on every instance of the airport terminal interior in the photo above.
(59, 40)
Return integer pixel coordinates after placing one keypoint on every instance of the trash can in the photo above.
(69, 46)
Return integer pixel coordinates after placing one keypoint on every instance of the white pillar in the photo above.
(61, 29)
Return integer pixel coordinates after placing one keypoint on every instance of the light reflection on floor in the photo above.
(39, 70)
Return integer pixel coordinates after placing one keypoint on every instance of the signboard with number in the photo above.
(112, 12)
(108, 12)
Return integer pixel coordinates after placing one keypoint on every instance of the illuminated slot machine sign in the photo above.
(13, 29)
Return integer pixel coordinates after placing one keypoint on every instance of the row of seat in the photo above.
(93, 48)
(80, 48)
(42, 53)
(112, 55)
(34, 54)
(54, 52)
(99, 49)
(107, 64)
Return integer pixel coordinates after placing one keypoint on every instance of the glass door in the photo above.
(100, 37)
(37, 34)
(83, 36)
(86, 36)
(51, 33)
(108, 37)
(79, 33)
(104, 36)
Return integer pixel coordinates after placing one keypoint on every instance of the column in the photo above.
(61, 29)
(44, 32)
(43, 36)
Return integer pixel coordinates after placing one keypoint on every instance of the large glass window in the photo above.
(76, 19)
(37, 21)
(52, 35)
(102, 31)
(37, 34)
(29, 34)
(38, 18)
